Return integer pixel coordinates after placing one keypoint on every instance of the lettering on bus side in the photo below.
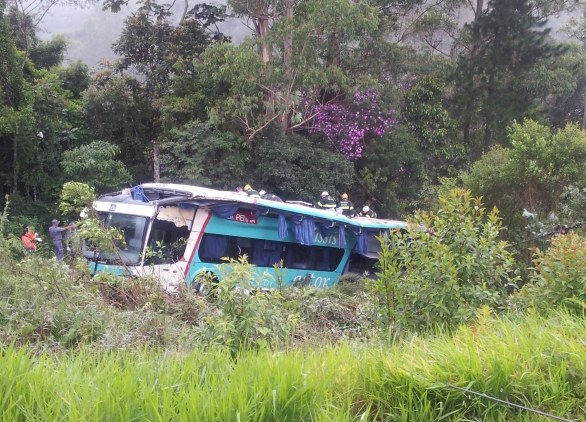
(246, 217)
(327, 240)
(315, 281)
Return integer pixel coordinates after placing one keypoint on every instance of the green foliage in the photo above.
(426, 116)
(47, 54)
(118, 111)
(299, 64)
(248, 317)
(532, 174)
(75, 198)
(506, 359)
(201, 155)
(75, 78)
(11, 79)
(236, 69)
(95, 165)
(558, 278)
(177, 46)
(297, 168)
(506, 41)
(389, 173)
(38, 54)
(453, 263)
(386, 287)
(10, 244)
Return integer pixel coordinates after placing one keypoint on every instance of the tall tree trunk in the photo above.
(263, 33)
(584, 113)
(156, 166)
(261, 24)
(473, 52)
(15, 158)
(287, 52)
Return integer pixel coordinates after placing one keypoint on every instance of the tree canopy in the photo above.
(381, 100)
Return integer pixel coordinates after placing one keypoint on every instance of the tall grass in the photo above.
(539, 363)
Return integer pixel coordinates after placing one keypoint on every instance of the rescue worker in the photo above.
(251, 192)
(240, 191)
(28, 239)
(269, 196)
(56, 235)
(346, 206)
(367, 212)
(326, 202)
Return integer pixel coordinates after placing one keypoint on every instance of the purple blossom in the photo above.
(349, 125)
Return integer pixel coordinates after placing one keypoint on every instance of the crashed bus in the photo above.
(176, 231)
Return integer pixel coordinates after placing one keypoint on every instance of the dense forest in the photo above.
(385, 100)
(465, 117)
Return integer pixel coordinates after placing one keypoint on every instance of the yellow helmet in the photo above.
(344, 196)
(247, 187)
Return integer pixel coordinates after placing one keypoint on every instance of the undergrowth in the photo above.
(536, 362)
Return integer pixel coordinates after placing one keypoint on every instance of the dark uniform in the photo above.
(326, 202)
(347, 207)
(369, 213)
(251, 192)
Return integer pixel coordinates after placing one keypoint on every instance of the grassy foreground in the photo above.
(539, 363)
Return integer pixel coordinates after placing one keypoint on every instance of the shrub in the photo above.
(452, 263)
(241, 316)
(559, 276)
(385, 288)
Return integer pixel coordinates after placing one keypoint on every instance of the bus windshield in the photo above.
(132, 227)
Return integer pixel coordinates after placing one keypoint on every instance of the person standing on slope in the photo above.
(57, 237)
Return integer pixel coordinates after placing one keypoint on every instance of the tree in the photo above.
(117, 111)
(532, 174)
(14, 110)
(151, 46)
(75, 78)
(453, 268)
(202, 155)
(52, 128)
(260, 91)
(95, 165)
(297, 167)
(348, 126)
(156, 50)
(25, 18)
(508, 39)
(389, 174)
(425, 115)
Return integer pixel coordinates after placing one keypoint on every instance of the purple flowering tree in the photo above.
(348, 125)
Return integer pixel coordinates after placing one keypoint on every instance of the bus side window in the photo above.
(214, 246)
(298, 257)
(322, 259)
(266, 253)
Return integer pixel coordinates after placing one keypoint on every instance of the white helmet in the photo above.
(366, 208)
(325, 193)
(262, 192)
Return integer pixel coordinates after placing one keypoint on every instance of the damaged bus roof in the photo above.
(152, 195)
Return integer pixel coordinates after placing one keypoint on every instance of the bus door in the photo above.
(166, 244)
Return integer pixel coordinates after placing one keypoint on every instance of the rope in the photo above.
(518, 406)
